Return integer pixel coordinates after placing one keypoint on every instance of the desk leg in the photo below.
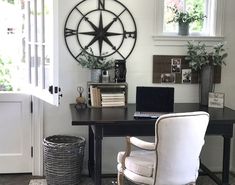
(98, 154)
(226, 160)
(91, 152)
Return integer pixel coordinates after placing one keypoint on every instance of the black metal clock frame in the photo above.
(100, 33)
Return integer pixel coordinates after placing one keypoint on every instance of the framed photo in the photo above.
(216, 100)
(168, 78)
(186, 75)
(176, 65)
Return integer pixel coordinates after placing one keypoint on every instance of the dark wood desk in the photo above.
(112, 122)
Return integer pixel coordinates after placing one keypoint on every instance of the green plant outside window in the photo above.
(184, 6)
(5, 76)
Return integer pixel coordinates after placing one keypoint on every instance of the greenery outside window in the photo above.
(187, 5)
(210, 27)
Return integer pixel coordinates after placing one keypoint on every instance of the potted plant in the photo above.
(95, 64)
(184, 18)
(204, 61)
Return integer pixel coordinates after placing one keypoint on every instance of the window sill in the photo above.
(177, 40)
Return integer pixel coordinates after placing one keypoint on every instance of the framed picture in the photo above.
(216, 100)
(168, 78)
(186, 75)
(176, 65)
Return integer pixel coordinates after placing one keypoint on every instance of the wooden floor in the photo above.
(23, 179)
(15, 179)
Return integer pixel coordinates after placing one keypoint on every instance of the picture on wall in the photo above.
(186, 75)
(175, 69)
(168, 78)
(176, 65)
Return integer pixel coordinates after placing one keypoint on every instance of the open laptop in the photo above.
(151, 102)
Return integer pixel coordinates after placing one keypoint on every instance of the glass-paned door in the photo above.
(40, 48)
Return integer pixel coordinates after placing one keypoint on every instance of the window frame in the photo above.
(161, 38)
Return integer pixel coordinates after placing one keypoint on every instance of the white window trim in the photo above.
(161, 39)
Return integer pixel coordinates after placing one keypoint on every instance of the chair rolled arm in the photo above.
(142, 144)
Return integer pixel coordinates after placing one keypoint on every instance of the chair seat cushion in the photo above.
(139, 162)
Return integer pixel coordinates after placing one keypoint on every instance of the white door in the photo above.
(15, 133)
(38, 21)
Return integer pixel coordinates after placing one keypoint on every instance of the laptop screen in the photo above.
(154, 99)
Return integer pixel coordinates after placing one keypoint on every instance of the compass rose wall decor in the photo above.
(106, 27)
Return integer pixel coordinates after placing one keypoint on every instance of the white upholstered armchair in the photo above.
(173, 159)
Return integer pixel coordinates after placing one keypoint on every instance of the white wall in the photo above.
(57, 120)
(228, 85)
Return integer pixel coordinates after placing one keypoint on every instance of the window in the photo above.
(29, 48)
(210, 27)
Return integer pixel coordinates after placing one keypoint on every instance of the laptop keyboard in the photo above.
(147, 114)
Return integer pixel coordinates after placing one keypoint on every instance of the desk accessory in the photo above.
(216, 100)
(81, 101)
(120, 71)
(105, 76)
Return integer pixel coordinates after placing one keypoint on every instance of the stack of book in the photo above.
(112, 99)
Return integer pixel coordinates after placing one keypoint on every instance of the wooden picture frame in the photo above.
(216, 100)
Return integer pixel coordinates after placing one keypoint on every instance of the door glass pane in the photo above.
(40, 66)
(47, 68)
(39, 21)
(32, 22)
(32, 65)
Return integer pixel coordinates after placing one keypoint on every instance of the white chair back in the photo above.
(179, 139)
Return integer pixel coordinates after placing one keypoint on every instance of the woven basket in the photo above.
(63, 159)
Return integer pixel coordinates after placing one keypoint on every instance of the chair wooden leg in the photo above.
(120, 178)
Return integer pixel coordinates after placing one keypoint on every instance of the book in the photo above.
(112, 104)
(113, 100)
(95, 96)
(92, 95)
(112, 95)
(98, 97)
